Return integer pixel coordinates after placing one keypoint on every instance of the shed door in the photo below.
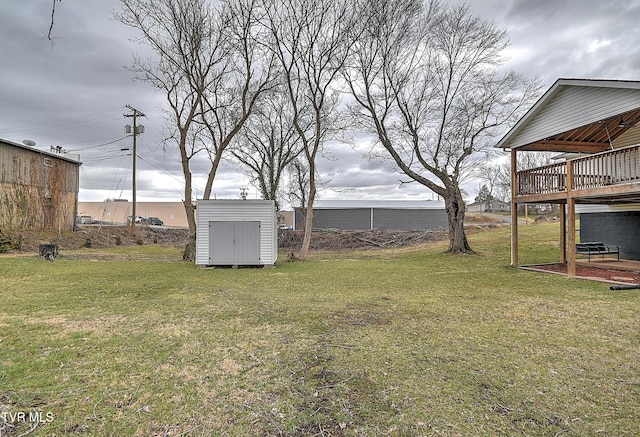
(234, 243)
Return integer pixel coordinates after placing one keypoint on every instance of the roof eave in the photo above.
(505, 141)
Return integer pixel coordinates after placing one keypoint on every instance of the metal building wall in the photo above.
(409, 218)
(347, 219)
(374, 217)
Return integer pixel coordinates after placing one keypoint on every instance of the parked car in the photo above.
(139, 219)
(154, 221)
(84, 219)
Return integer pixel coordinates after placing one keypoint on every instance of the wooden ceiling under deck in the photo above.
(592, 138)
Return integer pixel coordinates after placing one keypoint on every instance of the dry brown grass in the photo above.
(403, 341)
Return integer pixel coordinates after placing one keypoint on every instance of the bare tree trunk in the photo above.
(189, 253)
(455, 207)
(308, 220)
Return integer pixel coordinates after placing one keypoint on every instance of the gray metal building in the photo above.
(382, 214)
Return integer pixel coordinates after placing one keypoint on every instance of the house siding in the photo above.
(492, 206)
(575, 106)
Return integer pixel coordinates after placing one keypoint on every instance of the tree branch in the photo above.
(53, 13)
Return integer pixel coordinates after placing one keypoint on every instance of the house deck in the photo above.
(595, 125)
(612, 175)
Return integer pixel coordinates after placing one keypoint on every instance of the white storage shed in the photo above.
(236, 233)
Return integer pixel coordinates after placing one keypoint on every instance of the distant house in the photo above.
(595, 125)
(38, 189)
(383, 214)
(489, 206)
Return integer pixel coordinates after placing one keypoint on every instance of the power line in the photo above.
(98, 145)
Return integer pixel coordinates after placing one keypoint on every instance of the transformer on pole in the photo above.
(137, 130)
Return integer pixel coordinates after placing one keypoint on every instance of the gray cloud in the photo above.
(72, 91)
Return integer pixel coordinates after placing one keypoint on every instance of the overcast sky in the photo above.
(72, 91)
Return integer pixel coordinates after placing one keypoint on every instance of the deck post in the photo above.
(514, 211)
(571, 236)
(571, 222)
(563, 234)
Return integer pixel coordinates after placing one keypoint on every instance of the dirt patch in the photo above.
(597, 273)
(353, 317)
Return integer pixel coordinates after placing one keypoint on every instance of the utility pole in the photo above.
(136, 131)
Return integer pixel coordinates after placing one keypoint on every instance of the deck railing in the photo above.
(543, 180)
(607, 168)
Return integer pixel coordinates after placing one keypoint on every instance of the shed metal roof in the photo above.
(579, 115)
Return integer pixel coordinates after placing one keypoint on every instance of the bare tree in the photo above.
(492, 173)
(248, 73)
(268, 144)
(426, 80)
(187, 43)
(298, 183)
(205, 65)
(312, 40)
(497, 174)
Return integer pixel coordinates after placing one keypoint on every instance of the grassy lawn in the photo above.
(131, 341)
